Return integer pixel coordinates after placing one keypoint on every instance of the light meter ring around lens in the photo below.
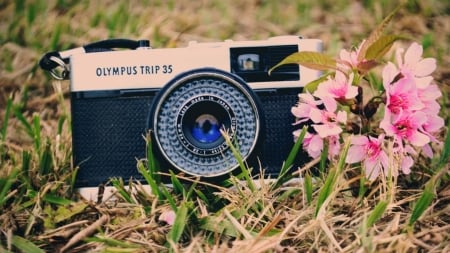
(238, 95)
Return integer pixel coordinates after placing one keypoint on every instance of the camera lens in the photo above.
(206, 128)
(203, 121)
(199, 123)
(189, 113)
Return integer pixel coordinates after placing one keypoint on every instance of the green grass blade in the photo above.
(149, 179)
(28, 128)
(423, 203)
(323, 158)
(5, 126)
(169, 197)
(376, 213)
(179, 224)
(152, 164)
(46, 160)
(115, 243)
(445, 155)
(326, 190)
(428, 193)
(177, 185)
(331, 178)
(308, 187)
(37, 132)
(54, 199)
(25, 245)
(284, 176)
(119, 185)
(245, 172)
(6, 184)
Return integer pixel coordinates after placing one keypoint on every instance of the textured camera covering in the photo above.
(230, 91)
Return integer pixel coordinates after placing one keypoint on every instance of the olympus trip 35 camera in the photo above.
(185, 97)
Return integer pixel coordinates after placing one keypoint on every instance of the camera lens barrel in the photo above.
(190, 112)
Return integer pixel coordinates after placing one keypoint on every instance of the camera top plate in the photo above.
(152, 68)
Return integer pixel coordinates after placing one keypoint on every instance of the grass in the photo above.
(336, 211)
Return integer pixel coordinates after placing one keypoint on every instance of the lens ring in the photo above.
(225, 89)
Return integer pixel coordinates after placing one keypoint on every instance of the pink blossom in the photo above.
(327, 121)
(340, 87)
(370, 151)
(303, 110)
(168, 217)
(348, 60)
(313, 144)
(428, 97)
(414, 66)
(407, 127)
(402, 95)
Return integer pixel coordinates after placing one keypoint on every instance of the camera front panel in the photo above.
(107, 135)
(278, 139)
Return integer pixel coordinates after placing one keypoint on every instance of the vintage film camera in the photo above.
(184, 96)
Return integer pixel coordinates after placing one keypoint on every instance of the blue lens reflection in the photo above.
(206, 129)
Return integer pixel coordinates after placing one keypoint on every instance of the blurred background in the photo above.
(28, 29)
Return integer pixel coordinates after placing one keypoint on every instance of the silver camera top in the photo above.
(153, 68)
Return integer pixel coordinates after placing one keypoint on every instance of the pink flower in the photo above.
(303, 110)
(414, 66)
(406, 126)
(339, 88)
(402, 95)
(327, 121)
(168, 217)
(370, 151)
(428, 97)
(313, 144)
(348, 60)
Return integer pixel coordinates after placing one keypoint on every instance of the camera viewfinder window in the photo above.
(253, 63)
(248, 62)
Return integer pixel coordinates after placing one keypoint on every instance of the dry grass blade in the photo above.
(88, 231)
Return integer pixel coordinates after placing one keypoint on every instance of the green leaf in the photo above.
(375, 35)
(381, 46)
(180, 222)
(25, 245)
(312, 86)
(376, 213)
(312, 60)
